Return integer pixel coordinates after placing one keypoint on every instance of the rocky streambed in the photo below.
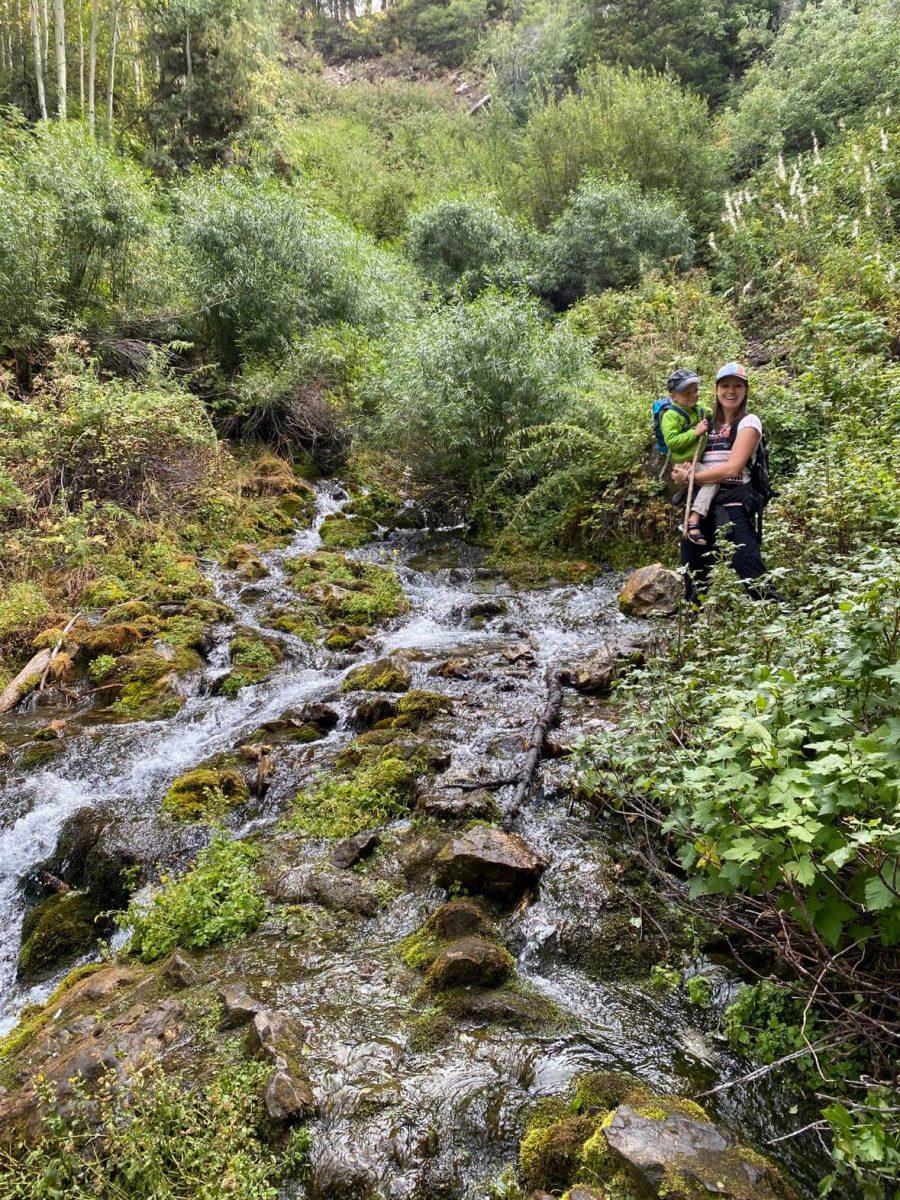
(453, 1009)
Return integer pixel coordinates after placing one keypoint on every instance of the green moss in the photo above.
(549, 1155)
(599, 1091)
(345, 637)
(300, 622)
(39, 754)
(347, 591)
(108, 589)
(201, 794)
(347, 532)
(418, 950)
(418, 706)
(531, 570)
(383, 675)
(596, 1162)
(253, 659)
(60, 927)
(375, 794)
(297, 506)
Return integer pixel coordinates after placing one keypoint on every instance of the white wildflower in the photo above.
(747, 286)
(856, 228)
(817, 157)
(711, 240)
(780, 168)
(884, 141)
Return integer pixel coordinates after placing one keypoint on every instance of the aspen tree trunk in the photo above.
(189, 65)
(45, 32)
(4, 26)
(38, 63)
(81, 62)
(59, 29)
(111, 80)
(92, 68)
(137, 65)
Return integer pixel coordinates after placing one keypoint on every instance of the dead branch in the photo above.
(546, 721)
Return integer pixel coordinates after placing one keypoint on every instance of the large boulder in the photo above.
(689, 1157)
(56, 931)
(595, 674)
(490, 862)
(651, 591)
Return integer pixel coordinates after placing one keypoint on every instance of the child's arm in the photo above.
(681, 442)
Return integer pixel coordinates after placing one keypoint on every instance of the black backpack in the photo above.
(760, 477)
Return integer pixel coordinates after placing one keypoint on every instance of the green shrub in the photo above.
(263, 266)
(456, 386)
(609, 235)
(218, 901)
(469, 243)
(445, 31)
(79, 236)
(832, 64)
(532, 59)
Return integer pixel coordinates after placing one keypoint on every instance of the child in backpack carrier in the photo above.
(679, 436)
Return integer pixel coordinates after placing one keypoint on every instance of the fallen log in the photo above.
(56, 650)
(542, 727)
(28, 677)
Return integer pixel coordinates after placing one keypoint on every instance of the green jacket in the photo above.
(678, 433)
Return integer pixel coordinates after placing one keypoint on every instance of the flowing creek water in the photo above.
(404, 1121)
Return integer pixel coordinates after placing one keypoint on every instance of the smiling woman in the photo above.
(732, 445)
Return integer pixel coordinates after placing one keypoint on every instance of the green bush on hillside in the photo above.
(457, 385)
(78, 236)
(609, 235)
(469, 243)
(832, 64)
(263, 266)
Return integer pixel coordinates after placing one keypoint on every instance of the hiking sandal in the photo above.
(695, 534)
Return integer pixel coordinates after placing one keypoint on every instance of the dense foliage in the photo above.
(332, 242)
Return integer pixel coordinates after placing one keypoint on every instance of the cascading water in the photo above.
(406, 1121)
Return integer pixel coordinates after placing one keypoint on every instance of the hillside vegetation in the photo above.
(249, 230)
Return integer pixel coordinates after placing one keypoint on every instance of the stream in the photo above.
(399, 1120)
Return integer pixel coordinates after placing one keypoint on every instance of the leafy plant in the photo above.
(218, 901)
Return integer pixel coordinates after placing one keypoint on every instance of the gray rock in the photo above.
(490, 862)
(470, 962)
(372, 709)
(690, 1155)
(354, 850)
(595, 675)
(458, 919)
(180, 972)
(279, 1037)
(651, 591)
(238, 1006)
(467, 806)
(288, 1097)
(347, 893)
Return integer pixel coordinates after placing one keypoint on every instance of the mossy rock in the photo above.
(347, 532)
(469, 962)
(39, 754)
(246, 562)
(108, 589)
(56, 930)
(253, 659)
(148, 679)
(301, 622)
(107, 639)
(550, 1154)
(346, 637)
(418, 706)
(369, 748)
(197, 795)
(129, 610)
(347, 591)
(298, 506)
(383, 675)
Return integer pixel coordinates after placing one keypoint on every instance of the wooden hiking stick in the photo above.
(690, 495)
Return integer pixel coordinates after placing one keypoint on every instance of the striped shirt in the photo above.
(720, 445)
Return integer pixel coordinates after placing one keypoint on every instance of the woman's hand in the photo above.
(681, 472)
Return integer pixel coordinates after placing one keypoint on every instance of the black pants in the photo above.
(732, 515)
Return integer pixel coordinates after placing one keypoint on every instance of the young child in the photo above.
(681, 436)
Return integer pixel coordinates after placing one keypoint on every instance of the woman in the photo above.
(732, 442)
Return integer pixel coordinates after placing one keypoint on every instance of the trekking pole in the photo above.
(690, 495)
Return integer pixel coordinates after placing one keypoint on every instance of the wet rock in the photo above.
(246, 562)
(689, 1157)
(490, 606)
(306, 724)
(386, 743)
(382, 675)
(454, 668)
(458, 919)
(520, 653)
(277, 1036)
(651, 591)
(238, 1006)
(180, 972)
(584, 1193)
(466, 806)
(56, 931)
(418, 853)
(417, 707)
(343, 532)
(354, 850)
(470, 962)
(288, 1097)
(341, 893)
(595, 675)
(151, 844)
(346, 637)
(198, 794)
(373, 709)
(489, 861)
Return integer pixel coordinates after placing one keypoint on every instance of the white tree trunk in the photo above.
(81, 62)
(59, 28)
(38, 61)
(45, 32)
(92, 69)
(111, 79)
(189, 63)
